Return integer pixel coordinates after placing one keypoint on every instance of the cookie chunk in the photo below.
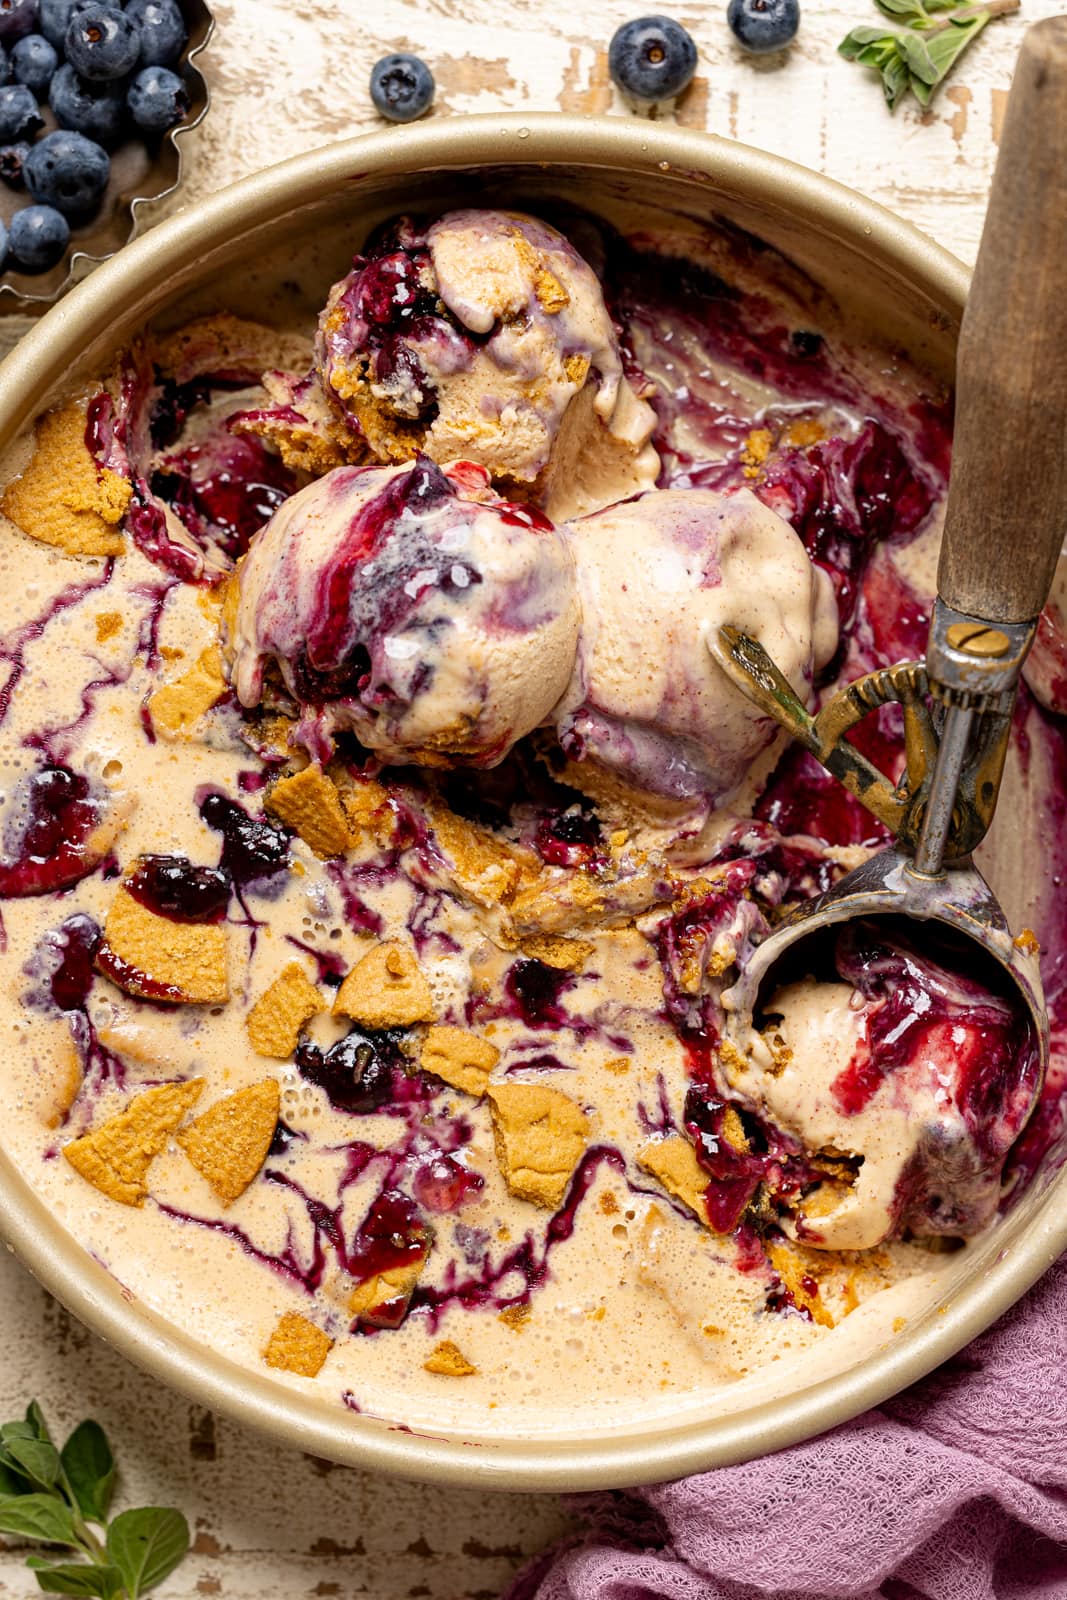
(797, 1276)
(383, 1300)
(459, 1057)
(155, 958)
(115, 1157)
(540, 1134)
(448, 1359)
(566, 955)
(309, 803)
(63, 498)
(275, 1021)
(229, 1143)
(297, 1345)
(177, 707)
(673, 1163)
(386, 989)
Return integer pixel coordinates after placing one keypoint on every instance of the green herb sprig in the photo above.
(921, 54)
(53, 1495)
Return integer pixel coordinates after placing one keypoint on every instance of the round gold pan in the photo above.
(886, 274)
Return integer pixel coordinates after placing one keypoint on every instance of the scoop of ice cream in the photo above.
(486, 337)
(411, 605)
(648, 706)
(908, 1077)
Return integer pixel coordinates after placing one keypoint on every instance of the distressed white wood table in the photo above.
(287, 75)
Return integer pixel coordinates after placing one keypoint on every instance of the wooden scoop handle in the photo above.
(1007, 504)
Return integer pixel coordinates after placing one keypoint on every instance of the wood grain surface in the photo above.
(287, 75)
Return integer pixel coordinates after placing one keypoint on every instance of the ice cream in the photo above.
(485, 337)
(914, 1076)
(411, 605)
(648, 708)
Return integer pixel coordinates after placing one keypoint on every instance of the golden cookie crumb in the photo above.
(115, 1157)
(802, 433)
(275, 1021)
(459, 1057)
(796, 1274)
(63, 498)
(757, 447)
(176, 708)
(386, 989)
(229, 1143)
(617, 1065)
(309, 803)
(157, 958)
(367, 809)
(566, 955)
(448, 1359)
(540, 1137)
(485, 869)
(1027, 941)
(382, 1300)
(515, 1317)
(673, 1163)
(297, 1345)
(108, 623)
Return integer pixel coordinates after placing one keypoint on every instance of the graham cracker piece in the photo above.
(64, 1087)
(458, 1056)
(176, 708)
(182, 963)
(566, 955)
(673, 1163)
(116, 1156)
(386, 989)
(64, 498)
(798, 1274)
(108, 623)
(229, 1143)
(540, 1137)
(309, 803)
(382, 1300)
(515, 1316)
(275, 1021)
(297, 1345)
(448, 1359)
(366, 805)
(486, 869)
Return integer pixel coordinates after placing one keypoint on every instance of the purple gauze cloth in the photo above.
(955, 1490)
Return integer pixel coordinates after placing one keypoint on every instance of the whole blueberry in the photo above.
(19, 117)
(55, 19)
(95, 109)
(17, 18)
(12, 162)
(3, 243)
(763, 25)
(68, 171)
(38, 237)
(162, 30)
(33, 62)
(652, 59)
(102, 43)
(157, 99)
(401, 87)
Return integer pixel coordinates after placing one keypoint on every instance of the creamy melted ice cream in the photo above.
(407, 1083)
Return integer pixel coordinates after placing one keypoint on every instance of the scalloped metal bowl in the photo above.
(141, 175)
(887, 275)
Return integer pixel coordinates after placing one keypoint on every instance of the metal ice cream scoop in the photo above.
(1005, 524)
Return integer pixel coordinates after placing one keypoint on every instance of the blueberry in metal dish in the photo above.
(38, 237)
(68, 171)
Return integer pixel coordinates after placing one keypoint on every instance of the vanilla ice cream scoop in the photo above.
(648, 708)
(486, 337)
(411, 605)
(914, 1073)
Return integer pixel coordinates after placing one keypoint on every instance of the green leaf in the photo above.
(18, 1430)
(146, 1545)
(68, 1578)
(901, 8)
(90, 1469)
(38, 1459)
(917, 58)
(923, 92)
(11, 1480)
(895, 82)
(37, 1516)
(35, 1420)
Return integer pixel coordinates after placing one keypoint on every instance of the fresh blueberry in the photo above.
(763, 25)
(5, 66)
(102, 43)
(162, 30)
(401, 87)
(157, 99)
(19, 117)
(17, 18)
(95, 109)
(652, 59)
(38, 237)
(55, 19)
(3, 243)
(12, 161)
(68, 171)
(33, 62)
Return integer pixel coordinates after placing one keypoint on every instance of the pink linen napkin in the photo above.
(955, 1490)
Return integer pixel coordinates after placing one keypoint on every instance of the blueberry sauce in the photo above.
(253, 849)
(572, 839)
(48, 842)
(77, 938)
(224, 489)
(441, 1183)
(171, 886)
(362, 1073)
(535, 988)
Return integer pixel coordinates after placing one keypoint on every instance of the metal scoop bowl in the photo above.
(1005, 524)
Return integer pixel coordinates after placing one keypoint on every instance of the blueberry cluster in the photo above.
(102, 67)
